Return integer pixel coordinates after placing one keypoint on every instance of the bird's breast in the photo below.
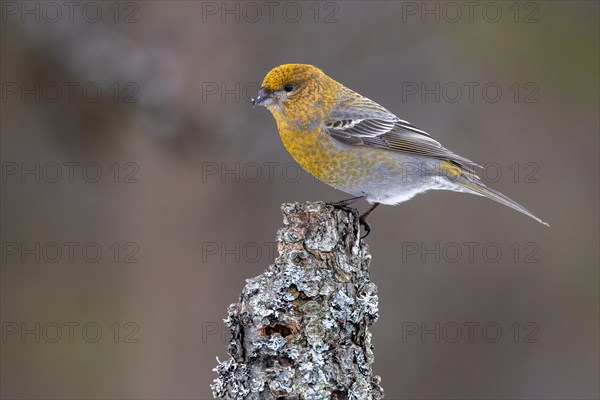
(309, 148)
(338, 165)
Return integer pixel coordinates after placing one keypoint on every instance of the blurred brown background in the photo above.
(154, 96)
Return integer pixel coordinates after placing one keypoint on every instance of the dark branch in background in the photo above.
(300, 329)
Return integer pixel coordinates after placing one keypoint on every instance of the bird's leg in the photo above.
(363, 219)
(347, 202)
(343, 205)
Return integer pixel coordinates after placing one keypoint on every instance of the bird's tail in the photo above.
(477, 187)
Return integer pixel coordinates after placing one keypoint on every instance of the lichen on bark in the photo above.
(301, 329)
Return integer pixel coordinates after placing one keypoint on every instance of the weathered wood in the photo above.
(300, 329)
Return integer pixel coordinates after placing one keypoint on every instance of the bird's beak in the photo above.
(263, 97)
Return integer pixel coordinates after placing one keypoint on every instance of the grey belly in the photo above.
(407, 177)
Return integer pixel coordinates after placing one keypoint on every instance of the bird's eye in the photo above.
(289, 87)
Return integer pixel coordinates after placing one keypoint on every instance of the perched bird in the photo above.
(359, 147)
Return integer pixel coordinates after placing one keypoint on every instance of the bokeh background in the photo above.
(192, 178)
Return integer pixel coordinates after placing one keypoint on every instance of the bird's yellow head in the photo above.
(291, 89)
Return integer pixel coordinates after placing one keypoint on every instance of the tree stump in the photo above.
(300, 329)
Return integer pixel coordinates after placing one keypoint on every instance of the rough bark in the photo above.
(300, 329)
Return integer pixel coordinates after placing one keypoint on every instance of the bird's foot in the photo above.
(363, 221)
(350, 210)
(343, 205)
(360, 219)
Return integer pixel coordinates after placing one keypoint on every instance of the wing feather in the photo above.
(363, 122)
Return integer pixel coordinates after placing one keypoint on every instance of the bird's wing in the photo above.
(359, 121)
